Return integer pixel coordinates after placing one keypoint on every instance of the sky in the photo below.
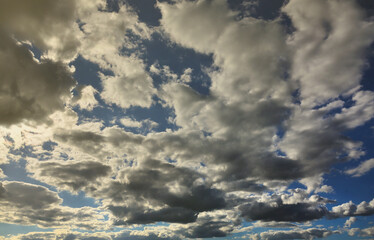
(186, 119)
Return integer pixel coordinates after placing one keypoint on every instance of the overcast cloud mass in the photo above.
(186, 119)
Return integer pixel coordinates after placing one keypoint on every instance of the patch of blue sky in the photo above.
(146, 10)
(77, 200)
(86, 73)
(347, 188)
(15, 229)
(263, 9)
(296, 184)
(16, 171)
(165, 53)
(35, 51)
(156, 113)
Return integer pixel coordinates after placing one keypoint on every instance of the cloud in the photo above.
(128, 84)
(30, 90)
(299, 212)
(367, 232)
(71, 235)
(349, 222)
(361, 169)
(143, 216)
(69, 175)
(85, 97)
(174, 192)
(328, 47)
(276, 113)
(308, 234)
(315, 184)
(251, 96)
(350, 209)
(49, 25)
(28, 204)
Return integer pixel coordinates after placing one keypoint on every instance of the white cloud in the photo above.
(349, 222)
(361, 169)
(130, 84)
(328, 47)
(86, 97)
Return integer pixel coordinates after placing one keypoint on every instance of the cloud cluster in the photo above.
(277, 110)
(28, 204)
(49, 25)
(30, 90)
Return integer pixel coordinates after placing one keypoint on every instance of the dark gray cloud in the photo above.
(299, 212)
(208, 230)
(144, 216)
(29, 90)
(72, 175)
(50, 25)
(28, 204)
(25, 195)
(161, 183)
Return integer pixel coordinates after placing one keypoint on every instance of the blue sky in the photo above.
(186, 119)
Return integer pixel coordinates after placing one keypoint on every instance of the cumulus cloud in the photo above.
(50, 25)
(30, 90)
(276, 114)
(129, 84)
(351, 209)
(349, 222)
(85, 97)
(328, 47)
(69, 175)
(28, 204)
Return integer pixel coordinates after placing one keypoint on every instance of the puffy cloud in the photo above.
(349, 222)
(315, 184)
(85, 98)
(129, 84)
(28, 204)
(250, 99)
(70, 175)
(328, 47)
(17, 193)
(361, 169)
(235, 149)
(245, 72)
(50, 25)
(351, 209)
(30, 90)
(175, 194)
(367, 232)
